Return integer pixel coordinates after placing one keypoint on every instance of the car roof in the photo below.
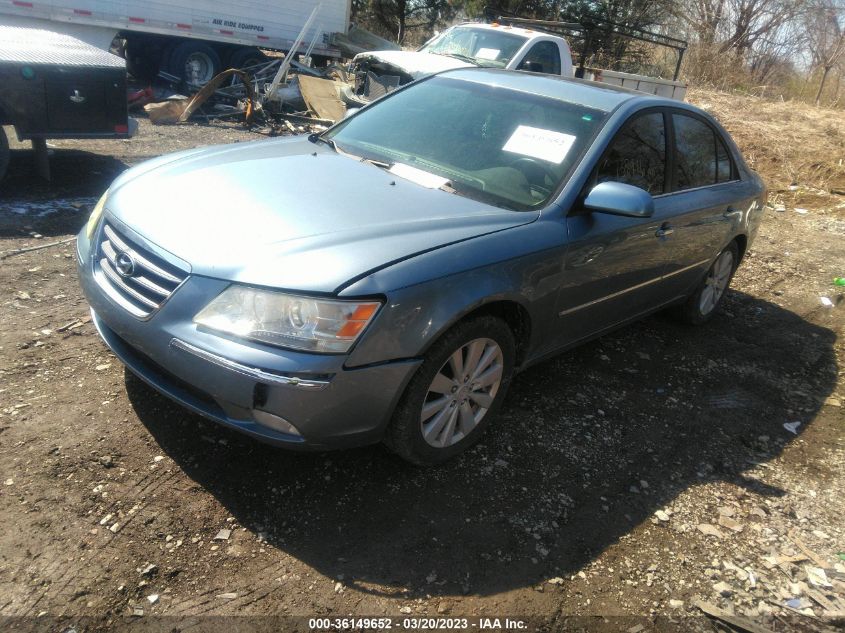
(600, 96)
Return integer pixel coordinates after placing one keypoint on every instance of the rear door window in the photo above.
(637, 155)
(701, 157)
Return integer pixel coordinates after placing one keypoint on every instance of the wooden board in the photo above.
(321, 97)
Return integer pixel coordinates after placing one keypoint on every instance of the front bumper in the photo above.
(237, 383)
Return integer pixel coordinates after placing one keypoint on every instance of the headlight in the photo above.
(316, 325)
(96, 214)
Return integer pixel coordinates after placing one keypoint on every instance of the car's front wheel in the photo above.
(704, 302)
(455, 393)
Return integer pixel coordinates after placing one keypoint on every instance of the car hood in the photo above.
(415, 63)
(291, 214)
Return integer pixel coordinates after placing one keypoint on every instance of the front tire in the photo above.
(708, 296)
(455, 393)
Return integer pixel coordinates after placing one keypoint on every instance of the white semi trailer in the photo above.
(191, 39)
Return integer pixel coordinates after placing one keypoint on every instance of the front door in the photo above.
(614, 265)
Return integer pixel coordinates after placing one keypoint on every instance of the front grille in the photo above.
(379, 85)
(136, 278)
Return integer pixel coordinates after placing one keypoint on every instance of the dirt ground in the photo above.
(625, 480)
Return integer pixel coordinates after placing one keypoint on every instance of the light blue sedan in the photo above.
(384, 280)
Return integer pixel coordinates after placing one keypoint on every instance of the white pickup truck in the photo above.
(492, 45)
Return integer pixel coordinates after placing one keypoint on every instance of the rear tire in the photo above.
(196, 63)
(708, 296)
(455, 393)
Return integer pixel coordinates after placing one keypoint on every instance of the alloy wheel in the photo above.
(716, 282)
(461, 392)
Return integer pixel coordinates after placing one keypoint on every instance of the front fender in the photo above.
(521, 265)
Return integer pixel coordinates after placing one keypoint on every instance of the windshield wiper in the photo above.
(463, 58)
(319, 138)
(378, 163)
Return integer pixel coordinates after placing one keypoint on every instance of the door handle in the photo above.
(664, 230)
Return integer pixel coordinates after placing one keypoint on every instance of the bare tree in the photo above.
(397, 17)
(750, 21)
(826, 38)
(705, 18)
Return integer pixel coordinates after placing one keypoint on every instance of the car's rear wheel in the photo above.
(455, 393)
(708, 296)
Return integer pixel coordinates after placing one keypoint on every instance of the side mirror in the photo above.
(617, 198)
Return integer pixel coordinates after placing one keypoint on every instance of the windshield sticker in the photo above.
(424, 178)
(488, 53)
(539, 143)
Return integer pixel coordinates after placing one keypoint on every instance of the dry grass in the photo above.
(787, 143)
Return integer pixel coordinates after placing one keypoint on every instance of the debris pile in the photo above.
(274, 97)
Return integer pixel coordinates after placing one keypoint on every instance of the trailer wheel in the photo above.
(142, 59)
(246, 57)
(194, 62)
(4, 153)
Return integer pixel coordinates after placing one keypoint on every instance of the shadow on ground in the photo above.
(60, 206)
(550, 488)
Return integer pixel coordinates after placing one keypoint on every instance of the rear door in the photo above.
(704, 198)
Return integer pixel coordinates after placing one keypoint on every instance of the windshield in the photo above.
(483, 47)
(501, 146)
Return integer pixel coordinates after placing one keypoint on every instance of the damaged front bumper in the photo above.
(374, 79)
(378, 73)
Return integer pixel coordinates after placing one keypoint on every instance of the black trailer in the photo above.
(56, 86)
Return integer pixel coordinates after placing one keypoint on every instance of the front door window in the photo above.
(638, 155)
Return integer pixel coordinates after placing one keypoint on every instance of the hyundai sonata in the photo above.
(385, 279)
